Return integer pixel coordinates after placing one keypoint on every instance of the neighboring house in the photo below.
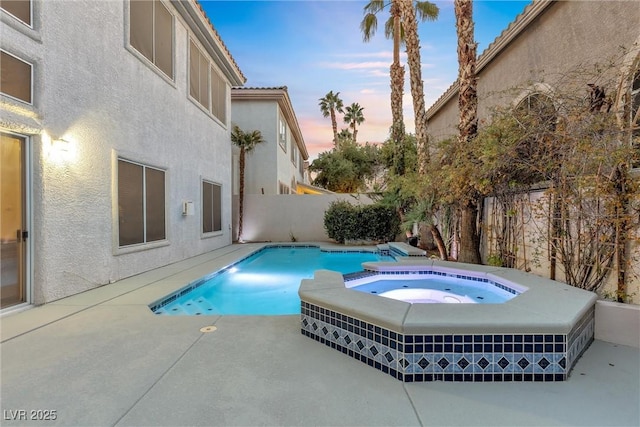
(533, 55)
(279, 165)
(544, 43)
(116, 153)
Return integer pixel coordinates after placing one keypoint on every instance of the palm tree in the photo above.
(468, 124)
(329, 105)
(425, 11)
(368, 26)
(394, 30)
(344, 136)
(354, 117)
(246, 141)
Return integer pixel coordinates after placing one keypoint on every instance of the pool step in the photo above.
(405, 249)
(191, 307)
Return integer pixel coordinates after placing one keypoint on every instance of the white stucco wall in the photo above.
(276, 218)
(261, 163)
(91, 90)
(269, 163)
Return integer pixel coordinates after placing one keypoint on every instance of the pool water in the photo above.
(436, 289)
(265, 283)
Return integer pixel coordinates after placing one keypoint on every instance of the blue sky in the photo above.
(314, 46)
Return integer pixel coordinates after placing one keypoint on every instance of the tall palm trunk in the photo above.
(396, 73)
(241, 191)
(467, 79)
(437, 239)
(468, 124)
(469, 249)
(334, 125)
(412, 42)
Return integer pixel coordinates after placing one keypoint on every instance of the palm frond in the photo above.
(374, 6)
(427, 11)
(368, 26)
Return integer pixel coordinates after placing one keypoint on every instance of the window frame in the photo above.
(301, 165)
(31, 76)
(151, 62)
(28, 24)
(213, 74)
(283, 188)
(282, 132)
(294, 154)
(214, 232)
(146, 244)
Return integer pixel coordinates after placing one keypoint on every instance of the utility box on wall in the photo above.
(187, 209)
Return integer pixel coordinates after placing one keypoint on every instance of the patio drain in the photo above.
(208, 329)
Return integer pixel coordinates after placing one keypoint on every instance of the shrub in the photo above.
(344, 221)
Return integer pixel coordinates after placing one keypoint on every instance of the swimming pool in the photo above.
(264, 283)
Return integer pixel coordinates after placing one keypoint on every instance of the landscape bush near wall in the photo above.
(345, 222)
(288, 217)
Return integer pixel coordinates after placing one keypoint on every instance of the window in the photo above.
(282, 188)
(20, 9)
(141, 204)
(218, 96)
(211, 207)
(301, 165)
(282, 133)
(205, 84)
(151, 33)
(294, 153)
(15, 77)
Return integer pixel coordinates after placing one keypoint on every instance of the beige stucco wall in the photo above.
(278, 218)
(566, 36)
(532, 245)
(91, 89)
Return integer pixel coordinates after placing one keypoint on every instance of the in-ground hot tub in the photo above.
(432, 287)
(537, 335)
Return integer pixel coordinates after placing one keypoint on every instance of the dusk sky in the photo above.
(315, 46)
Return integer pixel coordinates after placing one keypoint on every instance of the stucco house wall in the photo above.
(548, 40)
(269, 164)
(95, 91)
(260, 168)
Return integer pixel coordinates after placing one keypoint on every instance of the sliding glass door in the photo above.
(13, 232)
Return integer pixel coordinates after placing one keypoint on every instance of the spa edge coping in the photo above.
(547, 306)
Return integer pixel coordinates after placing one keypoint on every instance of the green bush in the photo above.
(344, 221)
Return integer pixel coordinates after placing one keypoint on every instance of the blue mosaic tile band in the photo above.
(456, 357)
(369, 273)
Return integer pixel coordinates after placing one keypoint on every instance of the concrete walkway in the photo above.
(102, 358)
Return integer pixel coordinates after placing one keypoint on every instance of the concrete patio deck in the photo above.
(102, 358)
